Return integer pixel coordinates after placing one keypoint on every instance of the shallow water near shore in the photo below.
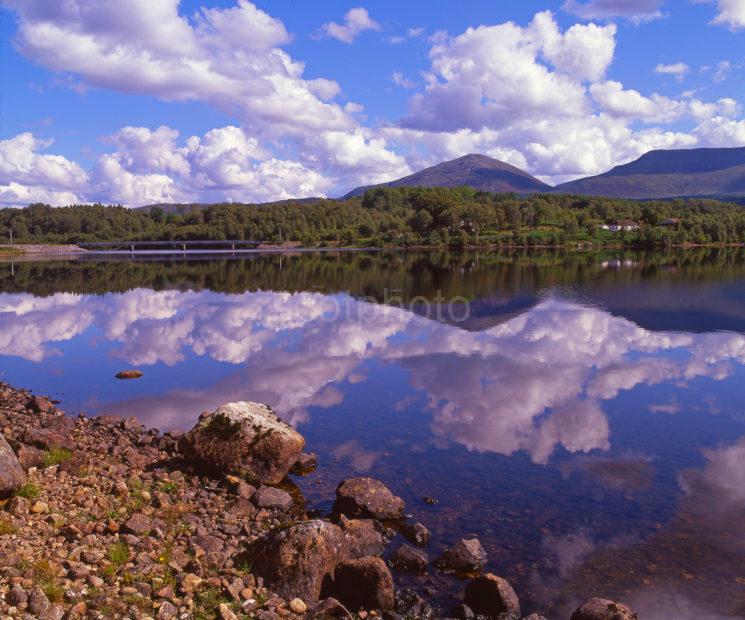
(581, 413)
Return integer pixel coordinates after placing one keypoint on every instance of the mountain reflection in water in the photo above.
(584, 422)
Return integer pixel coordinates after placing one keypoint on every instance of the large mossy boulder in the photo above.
(246, 439)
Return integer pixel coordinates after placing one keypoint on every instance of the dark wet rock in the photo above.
(427, 499)
(12, 475)
(55, 435)
(296, 561)
(408, 558)
(603, 609)
(245, 439)
(366, 583)
(39, 404)
(129, 374)
(466, 556)
(329, 608)
(410, 605)
(363, 537)
(305, 464)
(272, 498)
(535, 617)
(490, 595)
(463, 612)
(416, 533)
(367, 497)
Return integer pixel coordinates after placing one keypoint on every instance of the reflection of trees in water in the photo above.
(471, 275)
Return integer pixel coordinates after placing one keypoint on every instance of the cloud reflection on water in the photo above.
(531, 383)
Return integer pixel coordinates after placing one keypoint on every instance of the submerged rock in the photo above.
(408, 558)
(367, 497)
(490, 595)
(410, 605)
(466, 556)
(129, 374)
(366, 583)
(297, 560)
(603, 609)
(246, 439)
(12, 475)
(416, 533)
(305, 464)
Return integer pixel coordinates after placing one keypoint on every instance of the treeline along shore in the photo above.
(104, 518)
(402, 216)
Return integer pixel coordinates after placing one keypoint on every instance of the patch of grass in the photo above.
(206, 602)
(170, 488)
(54, 591)
(136, 600)
(7, 528)
(118, 554)
(29, 491)
(45, 576)
(166, 554)
(56, 456)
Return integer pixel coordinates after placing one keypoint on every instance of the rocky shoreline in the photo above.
(103, 518)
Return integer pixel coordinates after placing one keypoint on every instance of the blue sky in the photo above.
(139, 101)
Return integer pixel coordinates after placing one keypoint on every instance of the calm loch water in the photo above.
(582, 414)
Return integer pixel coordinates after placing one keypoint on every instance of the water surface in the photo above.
(581, 413)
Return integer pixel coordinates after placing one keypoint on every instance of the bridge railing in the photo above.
(132, 246)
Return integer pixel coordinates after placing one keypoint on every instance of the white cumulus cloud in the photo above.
(356, 21)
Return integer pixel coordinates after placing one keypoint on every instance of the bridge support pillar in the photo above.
(234, 247)
(132, 248)
(183, 247)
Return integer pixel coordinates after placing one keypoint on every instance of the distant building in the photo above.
(621, 225)
(674, 221)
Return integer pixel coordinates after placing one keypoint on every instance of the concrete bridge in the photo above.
(134, 246)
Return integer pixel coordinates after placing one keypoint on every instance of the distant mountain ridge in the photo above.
(478, 171)
(717, 173)
(704, 172)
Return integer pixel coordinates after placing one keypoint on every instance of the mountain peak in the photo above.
(715, 172)
(474, 170)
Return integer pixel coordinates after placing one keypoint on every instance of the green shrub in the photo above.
(56, 456)
(29, 491)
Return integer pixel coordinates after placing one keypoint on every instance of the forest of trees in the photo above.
(402, 216)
